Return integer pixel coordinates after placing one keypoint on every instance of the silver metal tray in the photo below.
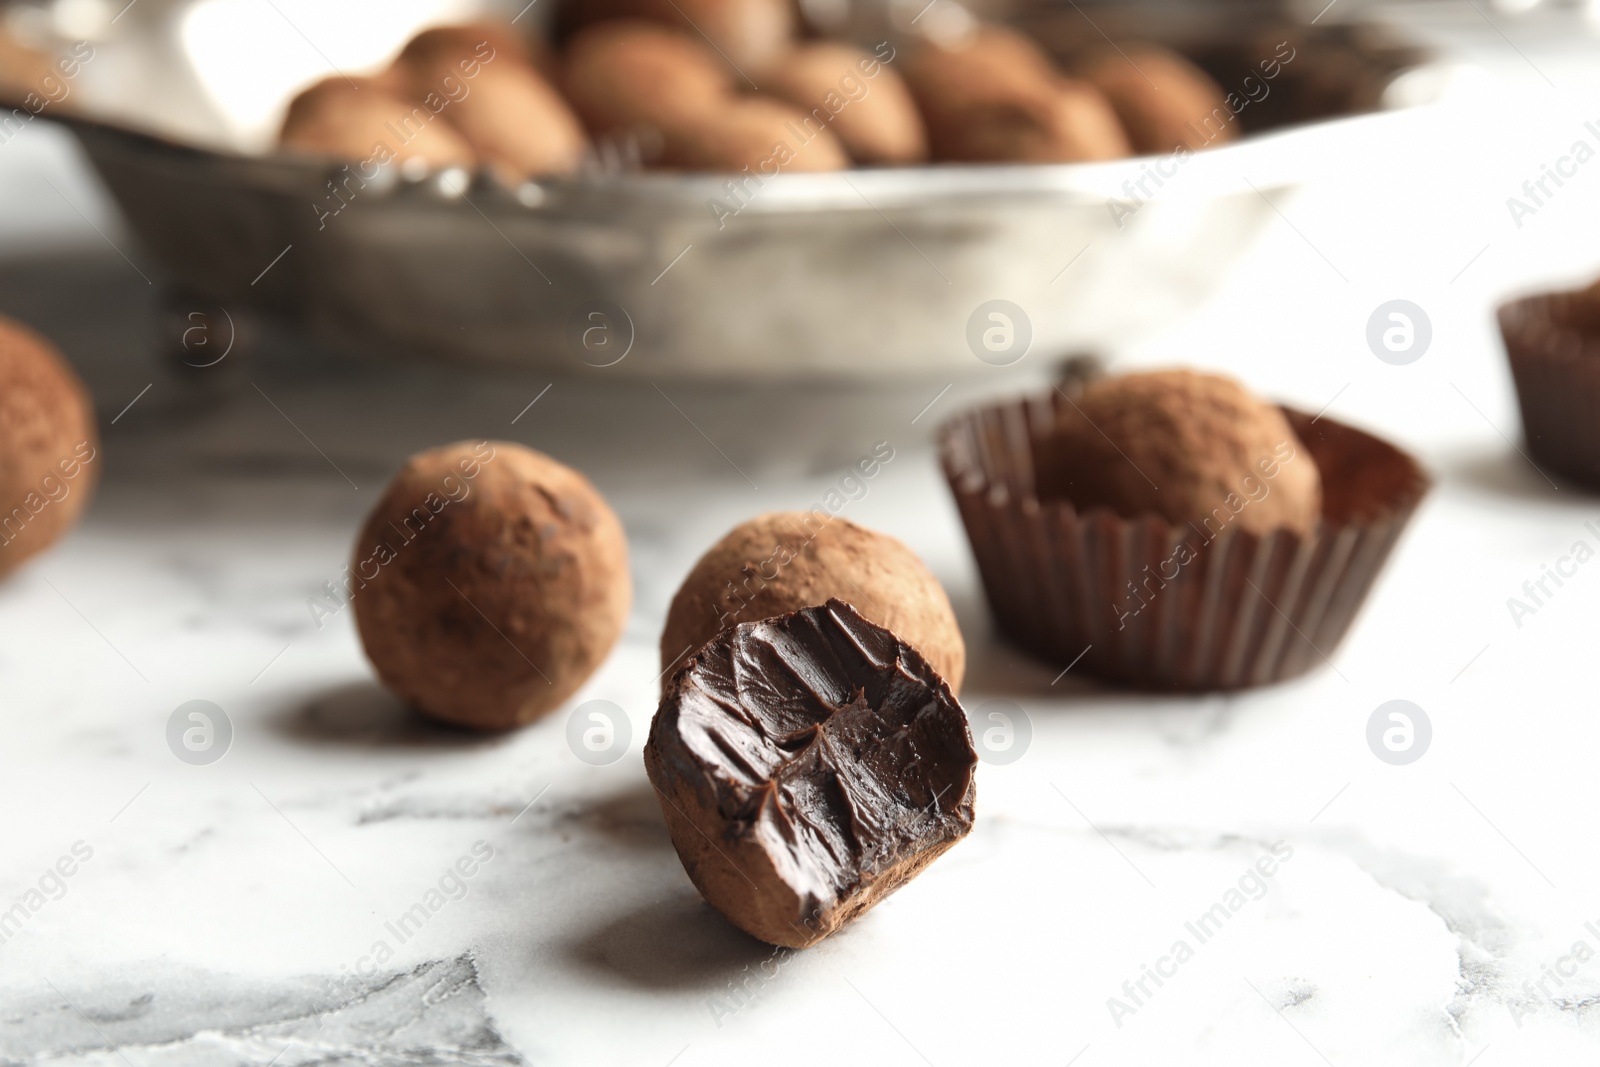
(852, 274)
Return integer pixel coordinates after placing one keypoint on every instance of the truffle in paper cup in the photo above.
(1553, 342)
(1150, 603)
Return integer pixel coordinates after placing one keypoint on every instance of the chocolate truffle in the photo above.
(47, 445)
(508, 113)
(481, 39)
(1180, 445)
(624, 75)
(1164, 101)
(23, 70)
(781, 561)
(366, 121)
(1166, 606)
(873, 114)
(996, 98)
(749, 34)
(758, 132)
(808, 766)
(489, 583)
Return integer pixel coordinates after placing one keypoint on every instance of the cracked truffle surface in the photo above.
(1182, 446)
(785, 560)
(808, 766)
(489, 582)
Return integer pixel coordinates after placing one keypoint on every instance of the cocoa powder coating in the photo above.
(357, 120)
(879, 127)
(782, 561)
(492, 581)
(48, 445)
(512, 117)
(1166, 103)
(997, 98)
(1180, 445)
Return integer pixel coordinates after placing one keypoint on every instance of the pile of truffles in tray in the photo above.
(730, 85)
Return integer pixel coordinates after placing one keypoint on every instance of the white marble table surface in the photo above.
(224, 911)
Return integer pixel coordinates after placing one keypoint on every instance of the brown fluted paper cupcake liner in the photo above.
(1159, 606)
(1555, 362)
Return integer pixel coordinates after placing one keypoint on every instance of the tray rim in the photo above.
(855, 189)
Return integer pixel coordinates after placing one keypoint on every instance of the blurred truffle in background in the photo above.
(1164, 102)
(729, 85)
(996, 97)
(748, 34)
(21, 67)
(872, 109)
(481, 80)
(364, 122)
(48, 445)
(627, 75)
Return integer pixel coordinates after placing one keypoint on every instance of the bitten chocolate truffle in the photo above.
(47, 445)
(784, 560)
(808, 766)
(1180, 445)
(489, 583)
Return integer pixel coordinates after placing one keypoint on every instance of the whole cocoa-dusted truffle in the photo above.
(366, 121)
(489, 582)
(623, 75)
(785, 560)
(1081, 125)
(22, 69)
(479, 40)
(48, 445)
(749, 33)
(996, 98)
(676, 96)
(872, 113)
(1164, 101)
(1184, 446)
(758, 132)
(508, 113)
(808, 766)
